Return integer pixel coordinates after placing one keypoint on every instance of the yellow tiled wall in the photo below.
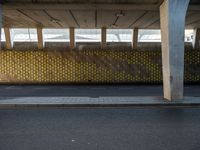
(92, 66)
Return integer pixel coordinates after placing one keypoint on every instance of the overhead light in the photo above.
(121, 14)
(113, 26)
(55, 20)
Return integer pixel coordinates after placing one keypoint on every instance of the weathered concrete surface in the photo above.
(172, 20)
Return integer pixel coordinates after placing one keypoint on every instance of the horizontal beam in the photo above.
(54, 6)
(64, 6)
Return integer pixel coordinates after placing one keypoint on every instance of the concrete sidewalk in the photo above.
(89, 102)
(85, 95)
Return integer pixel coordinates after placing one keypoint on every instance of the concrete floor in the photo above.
(100, 129)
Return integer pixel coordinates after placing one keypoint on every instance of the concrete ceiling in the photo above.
(90, 13)
(88, 1)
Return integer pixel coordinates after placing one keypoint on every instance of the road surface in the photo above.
(100, 129)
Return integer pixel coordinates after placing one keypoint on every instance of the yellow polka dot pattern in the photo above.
(89, 66)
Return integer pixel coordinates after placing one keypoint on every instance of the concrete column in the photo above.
(0, 22)
(9, 43)
(135, 38)
(196, 40)
(172, 15)
(103, 37)
(40, 38)
(72, 37)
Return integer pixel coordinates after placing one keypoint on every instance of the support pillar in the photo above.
(0, 22)
(172, 15)
(72, 38)
(103, 37)
(196, 40)
(135, 38)
(9, 43)
(40, 38)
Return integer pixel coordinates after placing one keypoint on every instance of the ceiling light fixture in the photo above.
(55, 20)
(121, 14)
(113, 26)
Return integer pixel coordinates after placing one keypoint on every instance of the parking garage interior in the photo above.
(99, 74)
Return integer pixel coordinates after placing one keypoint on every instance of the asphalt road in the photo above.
(100, 129)
(89, 90)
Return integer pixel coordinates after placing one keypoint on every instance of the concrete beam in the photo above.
(72, 37)
(103, 37)
(9, 43)
(172, 15)
(40, 38)
(135, 38)
(80, 6)
(196, 40)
